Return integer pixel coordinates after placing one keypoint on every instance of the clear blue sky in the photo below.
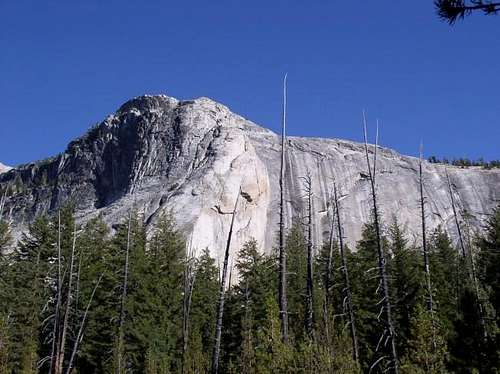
(65, 65)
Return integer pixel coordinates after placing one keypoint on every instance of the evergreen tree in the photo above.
(271, 354)
(407, 282)
(366, 300)
(202, 315)
(96, 258)
(444, 263)
(456, 307)
(328, 295)
(158, 278)
(489, 278)
(33, 270)
(6, 296)
(296, 248)
(5, 237)
(427, 347)
(489, 259)
(257, 283)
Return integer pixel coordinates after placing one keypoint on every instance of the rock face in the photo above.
(157, 154)
(4, 168)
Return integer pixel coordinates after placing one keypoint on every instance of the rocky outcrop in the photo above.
(4, 168)
(158, 154)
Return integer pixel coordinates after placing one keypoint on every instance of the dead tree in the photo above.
(384, 284)
(329, 261)
(467, 256)
(345, 273)
(189, 279)
(455, 216)
(309, 317)
(79, 335)
(328, 274)
(55, 330)
(282, 283)
(222, 292)
(427, 270)
(123, 298)
(2, 202)
(65, 326)
(428, 284)
(78, 273)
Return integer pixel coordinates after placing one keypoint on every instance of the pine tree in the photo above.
(489, 259)
(445, 269)
(427, 347)
(365, 298)
(456, 308)
(256, 277)
(297, 278)
(257, 283)
(5, 237)
(159, 295)
(203, 314)
(328, 290)
(406, 281)
(96, 257)
(271, 354)
(33, 268)
(6, 296)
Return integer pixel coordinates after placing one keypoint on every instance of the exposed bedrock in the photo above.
(158, 154)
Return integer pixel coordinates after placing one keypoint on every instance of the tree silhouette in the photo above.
(453, 10)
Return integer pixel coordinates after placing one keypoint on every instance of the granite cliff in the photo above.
(159, 154)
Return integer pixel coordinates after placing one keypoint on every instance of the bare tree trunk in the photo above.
(328, 276)
(430, 306)
(2, 202)
(222, 292)
(427, 270)
(380, 251)
(189, 279)
(55, 331)
(476, 283)
(455, 216)
(123, 300)
(78, 273)
(282, 291)
(79, 336)
(60, 361)
(309, 317)
(329, 262)
(345, 273)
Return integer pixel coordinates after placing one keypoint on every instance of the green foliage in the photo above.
(296, 249)
(202, 316)
(427, 350)
(5, 237)
(449, 340)
(366, 298)
(406, 281)
(465, 162)
(444, 264)
(489, 260)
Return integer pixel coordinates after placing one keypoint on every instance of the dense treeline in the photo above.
(89, 300)
(466, 162)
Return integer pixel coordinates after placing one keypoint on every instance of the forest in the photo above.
(81, 299)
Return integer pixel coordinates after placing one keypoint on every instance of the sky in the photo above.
(66, 65)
